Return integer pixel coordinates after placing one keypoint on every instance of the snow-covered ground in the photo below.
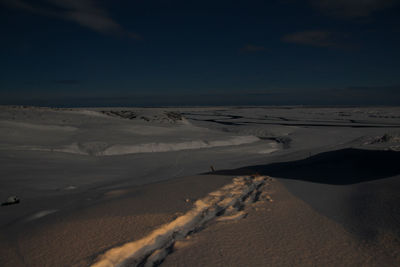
(49, 152)
(105, 133)
(153, 248)
(60, 160)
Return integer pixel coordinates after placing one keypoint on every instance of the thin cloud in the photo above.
(314, 38)
(86, 13)
(352, 8)
(252, 48)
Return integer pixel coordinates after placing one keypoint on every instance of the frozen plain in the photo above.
(94, 179)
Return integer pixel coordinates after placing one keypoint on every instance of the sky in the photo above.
(185, 53)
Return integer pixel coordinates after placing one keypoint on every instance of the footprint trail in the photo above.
(151, 250)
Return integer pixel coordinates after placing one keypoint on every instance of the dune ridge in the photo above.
(153, 248)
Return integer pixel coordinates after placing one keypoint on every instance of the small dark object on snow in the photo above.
(11, 200)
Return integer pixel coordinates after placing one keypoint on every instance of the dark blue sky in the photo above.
(282, 52)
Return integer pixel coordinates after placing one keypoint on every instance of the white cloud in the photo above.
(86, 13)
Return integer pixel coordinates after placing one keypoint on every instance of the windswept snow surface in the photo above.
(165, 147)
(44, 150)
(103, 149)
(153, 248)
(58, 160)
(40, 214)
(106, 133)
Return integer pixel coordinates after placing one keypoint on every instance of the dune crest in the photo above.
(153, 248)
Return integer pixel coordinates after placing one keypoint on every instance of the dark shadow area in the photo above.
(340, 167)
(367, 202)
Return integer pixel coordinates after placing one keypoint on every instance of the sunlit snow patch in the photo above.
(153, 248)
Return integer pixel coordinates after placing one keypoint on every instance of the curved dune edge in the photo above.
(188, 145)
(153, 248)
(103, 149)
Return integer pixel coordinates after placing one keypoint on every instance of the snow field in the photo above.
(153, 248)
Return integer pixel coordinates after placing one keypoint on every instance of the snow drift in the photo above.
(165, 147)
(152, 249)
